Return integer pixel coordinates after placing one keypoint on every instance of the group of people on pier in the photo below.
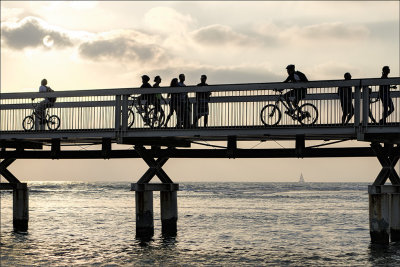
(179, 102)
(180, 105)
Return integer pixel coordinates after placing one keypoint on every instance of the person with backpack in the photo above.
(298, 93)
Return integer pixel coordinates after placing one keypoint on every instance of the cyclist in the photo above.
(384, 95)
(298, 93)
(42, 106)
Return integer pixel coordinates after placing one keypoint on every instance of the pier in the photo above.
(237, 113)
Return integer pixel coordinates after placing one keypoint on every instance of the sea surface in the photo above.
(220, 224)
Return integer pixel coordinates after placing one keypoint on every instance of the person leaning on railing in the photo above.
(43, 105)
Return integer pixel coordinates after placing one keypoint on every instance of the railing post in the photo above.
(365, 105)
(124, 112)
(357, 97)
(117, 112)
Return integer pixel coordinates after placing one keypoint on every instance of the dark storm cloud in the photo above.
(29, 32)
(120, 48)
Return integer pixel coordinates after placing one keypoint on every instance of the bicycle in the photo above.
(306, 114)
(152, 116)
(52, 121)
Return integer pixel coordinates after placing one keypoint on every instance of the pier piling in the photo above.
(144, 214)
(144, 208)
(384, 213)
(169, 212)
(20, 207)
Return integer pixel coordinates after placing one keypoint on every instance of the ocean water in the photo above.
(254, 224)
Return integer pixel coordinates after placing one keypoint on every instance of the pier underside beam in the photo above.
(6, 173)
(155, 166)
(388, 156)
(384, 200)
(20, 197)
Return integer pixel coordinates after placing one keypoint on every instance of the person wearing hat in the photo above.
(345, 98)
(384, 95)
(298, 93)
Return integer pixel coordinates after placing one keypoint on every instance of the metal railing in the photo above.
(230, 106)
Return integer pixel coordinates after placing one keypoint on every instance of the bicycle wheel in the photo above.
(28, 123)
(53, 122)
(308, 114)
(156, 118)
(270, 115)
(131, 118)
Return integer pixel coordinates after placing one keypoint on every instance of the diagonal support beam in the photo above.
(155, 166)
(6, 173)
(388, 156)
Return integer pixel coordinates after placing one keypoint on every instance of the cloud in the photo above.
(167, 20)
(121, 48)
(220, 35)
(334, 70)
(335, 30)
(30, 32)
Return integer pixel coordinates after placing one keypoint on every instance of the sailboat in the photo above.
(301, 180)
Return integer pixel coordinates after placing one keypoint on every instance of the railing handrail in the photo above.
(211, 88)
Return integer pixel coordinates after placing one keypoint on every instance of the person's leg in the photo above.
(385, 104)
(287, 96)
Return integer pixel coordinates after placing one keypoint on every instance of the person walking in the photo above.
(384, 95)
(201, 107)
(345, 97)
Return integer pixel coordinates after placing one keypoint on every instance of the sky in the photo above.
(80, 45)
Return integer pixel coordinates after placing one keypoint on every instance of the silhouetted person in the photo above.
(184, 108)
(42, 106)
(370, 115)
(298, 93)
(157, 97)
(346, 102)
(384, 95)
(149, 98)
(173, 102)
(202, 99)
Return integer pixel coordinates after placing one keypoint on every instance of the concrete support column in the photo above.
(379, 218)
(20, 207)
(169, 212)
(395, 217)
(144, 214)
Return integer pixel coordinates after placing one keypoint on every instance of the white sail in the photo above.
(301, 180)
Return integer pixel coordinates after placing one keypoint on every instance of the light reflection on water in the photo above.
(219, 224)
